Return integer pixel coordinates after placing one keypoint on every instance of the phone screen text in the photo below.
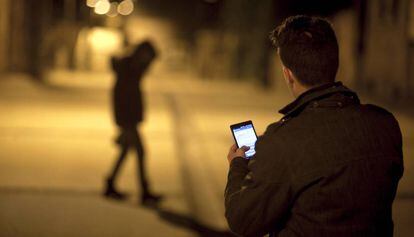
(245, 136)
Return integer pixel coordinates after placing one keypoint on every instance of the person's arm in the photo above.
(258, 195)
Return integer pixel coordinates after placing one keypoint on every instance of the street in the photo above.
(57, 146)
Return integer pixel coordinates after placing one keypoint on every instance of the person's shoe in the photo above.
(110, 191)
(150, 199)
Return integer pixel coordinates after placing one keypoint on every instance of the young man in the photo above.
(330, 166)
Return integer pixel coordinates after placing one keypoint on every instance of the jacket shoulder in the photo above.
(384, 118)
(272, 127)
(379, 112)
(376, 109)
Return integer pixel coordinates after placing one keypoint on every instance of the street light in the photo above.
(126, 7)
(113, 10)
(102, 7)
(91, 3)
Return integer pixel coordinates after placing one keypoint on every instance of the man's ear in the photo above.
(288, 75)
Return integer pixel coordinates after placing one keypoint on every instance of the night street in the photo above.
(115, 118)
(57, 146)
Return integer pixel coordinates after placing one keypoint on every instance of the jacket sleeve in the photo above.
(258, 195)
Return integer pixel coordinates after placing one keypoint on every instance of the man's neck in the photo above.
(300, 90)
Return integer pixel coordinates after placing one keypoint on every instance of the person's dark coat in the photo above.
(128, 102)
(330, 167)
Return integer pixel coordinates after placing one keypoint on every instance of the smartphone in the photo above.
(245, 135)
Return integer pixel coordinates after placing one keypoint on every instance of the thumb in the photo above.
(245, 148)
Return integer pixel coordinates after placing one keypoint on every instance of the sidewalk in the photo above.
(209, 107)
(208, 115)
(56, 146)
(51, 173)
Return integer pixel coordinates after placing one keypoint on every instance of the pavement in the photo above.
(56, 147)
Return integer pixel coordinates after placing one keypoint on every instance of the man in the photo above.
(330, 166)
(128, 113)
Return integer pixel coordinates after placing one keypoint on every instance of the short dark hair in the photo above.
(307, 45)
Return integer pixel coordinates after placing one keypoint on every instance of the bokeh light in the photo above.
(91, 3)
(126, 7)
(104, 40)
(102, 7)
(113, 10)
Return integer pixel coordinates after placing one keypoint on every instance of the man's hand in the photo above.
(237, 152)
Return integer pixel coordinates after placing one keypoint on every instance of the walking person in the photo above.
(128, 109)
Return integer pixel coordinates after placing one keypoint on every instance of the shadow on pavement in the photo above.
(189, 223)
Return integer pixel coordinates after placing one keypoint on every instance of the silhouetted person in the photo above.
(128, 111)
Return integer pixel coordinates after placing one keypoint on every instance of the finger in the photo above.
(233, 148)
(245, 148)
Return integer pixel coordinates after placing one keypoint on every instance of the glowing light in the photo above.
(126, 7)
(91, 3)
(113, 10)
(104, 40)
(102, 7)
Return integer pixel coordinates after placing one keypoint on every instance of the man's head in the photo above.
(308, 49)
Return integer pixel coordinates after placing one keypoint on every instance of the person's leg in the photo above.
(142, 176)
(110, 182)
(147, 197)
(119, 162)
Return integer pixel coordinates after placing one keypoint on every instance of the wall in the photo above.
(411, 48)
(345, 26)
(4, 34)
(385, 61)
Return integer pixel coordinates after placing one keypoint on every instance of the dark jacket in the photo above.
(128, 103)
(329, 167)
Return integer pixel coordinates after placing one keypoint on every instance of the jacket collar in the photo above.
(315, 93)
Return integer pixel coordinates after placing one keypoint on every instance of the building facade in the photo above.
(386, 58)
